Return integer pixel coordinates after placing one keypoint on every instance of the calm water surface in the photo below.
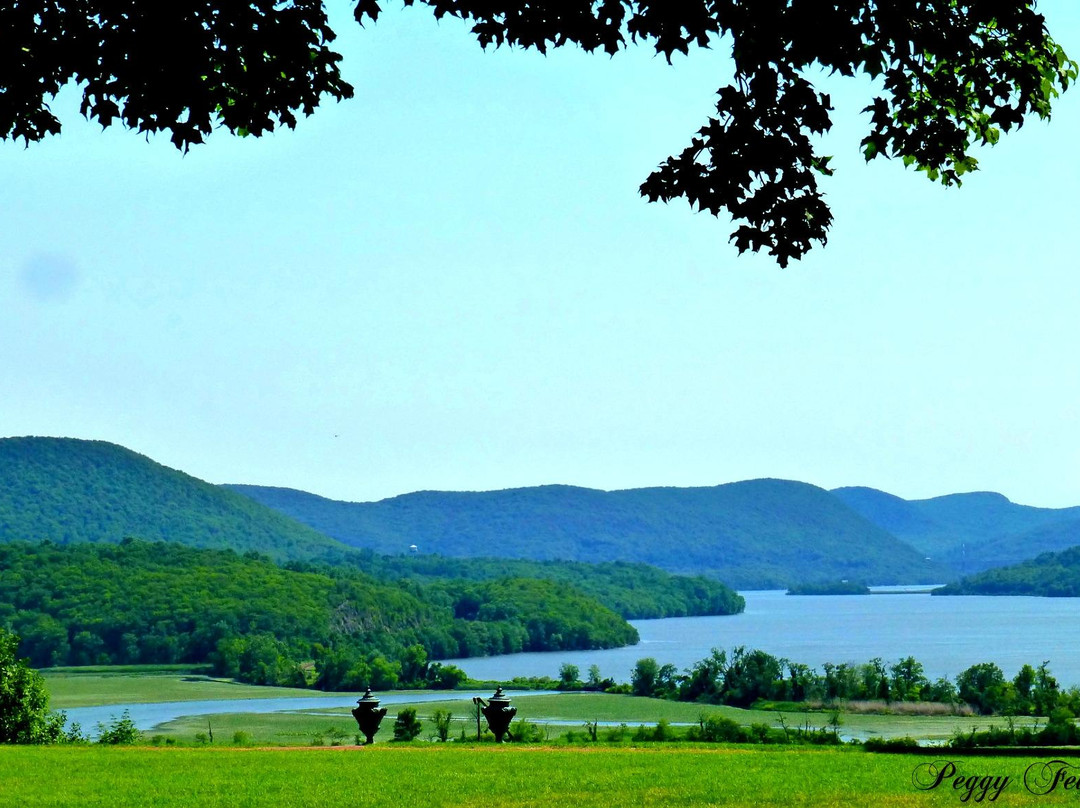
(946, 634)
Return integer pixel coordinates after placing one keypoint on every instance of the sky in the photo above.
(450, 282)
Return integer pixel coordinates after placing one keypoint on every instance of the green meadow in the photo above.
(482, 776)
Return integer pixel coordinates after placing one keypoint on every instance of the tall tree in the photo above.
(24, 701)
(951, 74)
(644, 677)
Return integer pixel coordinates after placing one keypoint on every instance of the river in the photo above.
(946, 634)
(148, 716)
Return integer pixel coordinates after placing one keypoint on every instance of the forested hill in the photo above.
(72, 491)
(1050, 575)
(143, 602)
(758, 533)
(67, 490)
(635, 591)
(968, 532)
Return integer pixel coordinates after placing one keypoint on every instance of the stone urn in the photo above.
(499, 714)
(368, 715)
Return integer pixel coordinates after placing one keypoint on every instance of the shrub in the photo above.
(407, 726)
(121, 731)
(74, 734)
(717, 729)
(441, 719)
(527, 732)
(759, 733)
(905, 744)
(661, 732)
(617, 734)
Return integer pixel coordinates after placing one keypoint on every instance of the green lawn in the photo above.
(478, 777)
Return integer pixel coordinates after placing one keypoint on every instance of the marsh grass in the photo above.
(905, 708)
(868, 707)
(140, 684)
(132, 684)
(298, 729)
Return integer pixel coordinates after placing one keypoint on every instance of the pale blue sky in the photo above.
(450, 282)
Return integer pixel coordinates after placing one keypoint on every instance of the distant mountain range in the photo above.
(758, 533)
(968, 532)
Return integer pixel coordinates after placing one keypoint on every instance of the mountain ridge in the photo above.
(968, 532)
(764, 532)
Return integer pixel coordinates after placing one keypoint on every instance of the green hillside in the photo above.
(72, 491)
(635, 591)
(759, 533)
(1016, 547)
(161, 602)
(68, 490)
(967, 532)
(898, 516)
(1048, 575)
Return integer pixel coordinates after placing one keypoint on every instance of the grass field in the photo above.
(471, 777)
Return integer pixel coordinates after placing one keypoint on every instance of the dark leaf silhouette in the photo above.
(953, 75)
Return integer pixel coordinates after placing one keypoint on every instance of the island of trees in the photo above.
(830, 588)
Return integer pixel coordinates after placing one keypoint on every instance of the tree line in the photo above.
(749, 676)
